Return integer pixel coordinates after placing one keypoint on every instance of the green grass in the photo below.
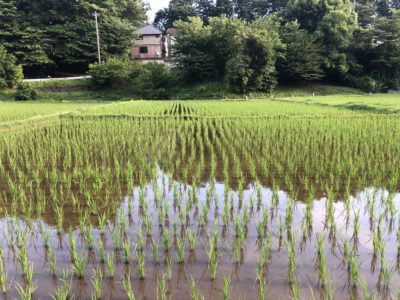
(14, 113)
(382, 103)
(79, 90)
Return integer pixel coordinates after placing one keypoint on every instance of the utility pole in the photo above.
(98, 37)
(233, 9)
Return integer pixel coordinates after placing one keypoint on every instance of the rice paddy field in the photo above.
(282, 199)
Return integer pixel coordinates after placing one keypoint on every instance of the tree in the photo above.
(241, 54)
(205, 9)
(10, 72)
(387, 50)
(301, 58)
(60, 34)
(9, 25)
(193, 44)
(255, 61)
(333, 23)
(177, 10)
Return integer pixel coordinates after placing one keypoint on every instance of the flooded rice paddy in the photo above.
(172, 208)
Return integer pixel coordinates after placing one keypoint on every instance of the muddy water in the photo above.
(243, 274)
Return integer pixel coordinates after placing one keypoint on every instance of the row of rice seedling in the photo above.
(295, 207)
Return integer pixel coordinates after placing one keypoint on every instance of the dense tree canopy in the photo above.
(47, 35)
(241, 54)
(249, 44)
(10, 72)
(344, 41)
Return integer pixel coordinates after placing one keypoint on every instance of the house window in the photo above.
(143, 50)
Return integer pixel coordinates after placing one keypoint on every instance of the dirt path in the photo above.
(41, 120)
(33, 122)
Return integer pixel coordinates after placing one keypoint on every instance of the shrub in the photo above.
(367, 83)
(153, 81)
(25, 92)
(114, 73)
(10, 72)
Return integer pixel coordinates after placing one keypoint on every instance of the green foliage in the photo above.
(387, 50)
(148, 81)
(25, 92)
(114, 73)
(228, 49)
(247, 10)
(294, 64)
(366, 83)
(153, 81)
(10, 72)
(60, 35)
(332, 22)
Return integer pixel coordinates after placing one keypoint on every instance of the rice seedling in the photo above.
(126, 250)
(226, 292)
(191, 236)
(295, 290)
(78, 266)
(126, 282)
(291, 257)
(262, 288)
(23, 260)
(162, 288)
(46, 237)
(386, 276)
(53, 263)
(166, 240)
(63, 292)
(26, 293)
(139, 241)
(72, 244)
(365, 292)
(110, 265)
(102, 251)
(169, 269)
(194, 291)
(353, 268)
(88, 236)
(180, 250)
(323, 273)
(116, 238)
(3, 275)
(255, 169)
(60, 294)
(59, 216)
(140, 264)
(155, 250)
(97, 282)
(212, 263)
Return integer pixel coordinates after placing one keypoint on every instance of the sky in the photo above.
(156, 5)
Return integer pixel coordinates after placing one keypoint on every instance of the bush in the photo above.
(10, 72)
(152, 81)
(367, 83)
(114, 73)
(149, 81)
(25, 92)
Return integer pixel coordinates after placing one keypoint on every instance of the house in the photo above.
(149, 45)
(153, 45)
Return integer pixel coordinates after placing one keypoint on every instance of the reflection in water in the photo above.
(144, 205)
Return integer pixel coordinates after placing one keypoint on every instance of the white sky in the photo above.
(156, 5)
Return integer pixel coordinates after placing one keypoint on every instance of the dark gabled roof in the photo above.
(149, 30)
